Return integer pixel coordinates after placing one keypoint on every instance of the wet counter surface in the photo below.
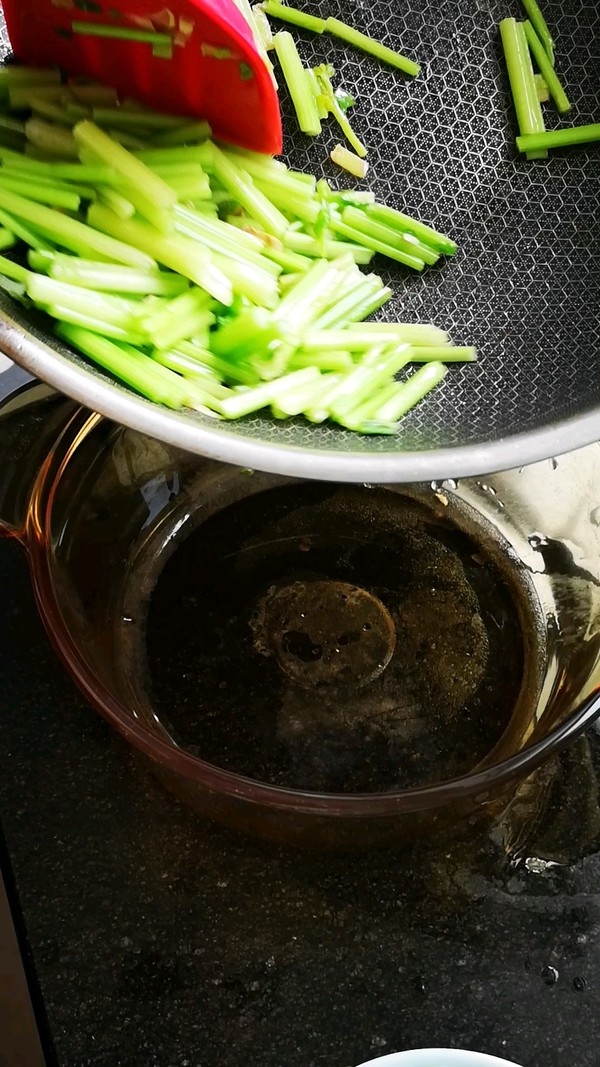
(156, 941)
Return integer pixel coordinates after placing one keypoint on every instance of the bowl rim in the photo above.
(37, 537)
(449, 1056)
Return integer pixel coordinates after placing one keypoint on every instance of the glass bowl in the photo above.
(472, 607)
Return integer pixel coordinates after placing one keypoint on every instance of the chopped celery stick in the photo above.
(289, 261)
(202, 154)
(147, 191)
(325, 361)
(45, 290)
(412, 391)
(187, 326)
(299, 207)
(43, 194)
(94, 94)
(349, 161)
(189, 133)
(41, 262)
(258, 286)
(263, 167)
(97, 326)
(106, 277)
(189, 186)
(45, 109)
(333, 106)
(179, 253)
(220, 237)
(308, 246)
(150, 120)
(190, 368)
(240, 185)
(13, 270)
(343, 311)
(446, 353)
(70, 233)
(21, 96)
(563, 138)
(376, 245)
(7, 238)
(372, 303)
(293, 16)
(57, 172)
(253, 331)
(368, 408)
(318, 97)
(397, 220)
(306, 300)
(123, 33)
(542, 89)
(374, 48)
(262, 395)
(522, 84)
(540, 26)
(297, 83)
(263, 27)
(117, 202)
(288, 281)
(224, 231)
(302, 398)
(540, 55)
(412, 333)
(52, 139)
(228, 370)
(374, 371)
(386, 235)
(17, 75)
(126, 139)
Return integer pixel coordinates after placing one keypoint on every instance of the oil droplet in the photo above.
(537, 541)
(550, 975)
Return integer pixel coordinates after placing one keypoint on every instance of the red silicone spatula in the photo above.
(195, 57)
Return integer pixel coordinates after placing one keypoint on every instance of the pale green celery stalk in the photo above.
(522, 84)
(237, 182)
(263, 27)
(149, 120)
(412, 391)
(57, 172)
(293, 16)
(127, 139)
(96, 326)
(52, 139)
(297, 83)
(289, 280)
(377, 246)
(302, 398)
(563, 138)
(540, 55)
(85, 192)
(341, 311)
(94, 94)
(373, 372)
(266, 168)
(368, 408)
(386, 235)
(190, 325)
(413, 333)
(178, 253)
(226, 231)
(397, 220)
(258, 286)
(373, 48)
(123, 33)
(190, 368)
(7, 238)
(155, 157)
(228, 370)
(262, 395)
(72, 234)
(114, 309)
(221, 237)
(315, 89)
(17, 75)
(189, 186)
(305, 302)
(46, 109)
(541, 27)
(298, 207)
(340, 116)
(42, 194)
(152, 197)
(117, 202)
(251, 333)
(9, 269)
(306, 245)
(337, 361)
(287, 260)
(372, 303)
(106, 277)
(189, 134)
(30, 237)
(445, 353)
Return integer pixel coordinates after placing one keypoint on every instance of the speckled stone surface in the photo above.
(160, 942)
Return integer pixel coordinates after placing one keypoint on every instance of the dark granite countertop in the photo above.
(156, 940)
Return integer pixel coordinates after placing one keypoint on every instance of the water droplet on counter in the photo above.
(579, 984)
(550, 975)
(537, 541)
(450, 483)
(127, 618)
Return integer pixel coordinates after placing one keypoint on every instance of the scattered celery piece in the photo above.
(540, 55)
(522, 84)
(373, 48)
(540, 26)
(412, 391)
(349, 161)
(293, 16)
(297, 83)
(562, 138)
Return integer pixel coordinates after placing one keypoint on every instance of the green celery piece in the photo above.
(335, 361)
(52, 139)
(258, 286)
(302, 398)
(9, 269)
(68, 315)
(343, 310)
(262, 395)
(367, 410)
(373, 48)
(389, 216)
(190, 325)
(415, 334)
(93, 94)
(228, 370)
(312, 294)
(297, 82)
(46, 291)
(120, 33)
(106, 277)
(290, 262)
(178, 253)
(540, 55)
(540, 26)
(252, 332)
(412, 391)
(293, 16)
(299, 207)
(188, 134)
(191, 368)
(32, 190)
(15, 76)
(202, 154)
(375, 370)
(522, 83)
(317, 93)
(70, 233)
(57, 172)
(227, 234)
(241, 187)
(562, 138)
(150, 120)
(116, 202)
(444, 353)
(46, 109)
(264, 167)
(7, 239)
(221, 237)
(369, 227)
(387, 250)
(332, 103)
(152, 197)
